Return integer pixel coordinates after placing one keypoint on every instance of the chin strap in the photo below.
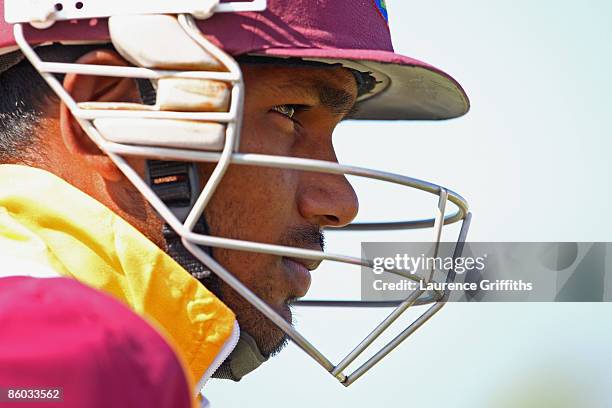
(176, 184)
(182, 256)
(245, 358)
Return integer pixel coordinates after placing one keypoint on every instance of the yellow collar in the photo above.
(49, 221)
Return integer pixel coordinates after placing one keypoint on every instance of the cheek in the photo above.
(254, 203)
(267, 133)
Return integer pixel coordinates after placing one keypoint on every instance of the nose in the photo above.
(327, 200)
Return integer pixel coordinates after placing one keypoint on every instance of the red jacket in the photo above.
(59, 333)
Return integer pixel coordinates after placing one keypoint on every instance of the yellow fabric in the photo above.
(47, 220)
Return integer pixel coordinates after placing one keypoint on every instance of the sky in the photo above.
(531, 159)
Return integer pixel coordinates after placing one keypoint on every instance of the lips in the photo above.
(299, 274)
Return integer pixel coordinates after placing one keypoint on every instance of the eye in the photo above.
(286, 110)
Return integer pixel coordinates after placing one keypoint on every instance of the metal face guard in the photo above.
(221, 131)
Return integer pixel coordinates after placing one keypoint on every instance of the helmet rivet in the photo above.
(79, 5)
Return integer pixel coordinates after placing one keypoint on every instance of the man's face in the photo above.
(289, 111)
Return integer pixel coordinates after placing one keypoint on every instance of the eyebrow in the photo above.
(336, 100)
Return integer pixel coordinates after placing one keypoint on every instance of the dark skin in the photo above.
(289, 111)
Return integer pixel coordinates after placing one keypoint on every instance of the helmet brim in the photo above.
(410, 90)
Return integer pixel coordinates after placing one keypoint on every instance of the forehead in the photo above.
(260, 77)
